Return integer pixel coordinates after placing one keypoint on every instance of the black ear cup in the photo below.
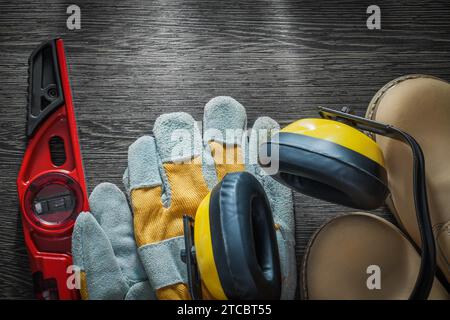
(328, 170)
(243, 239)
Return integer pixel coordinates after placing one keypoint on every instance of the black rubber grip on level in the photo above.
(44, 85)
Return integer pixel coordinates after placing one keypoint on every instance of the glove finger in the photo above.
(281, 202)
(225, 122)
(177, 137)
(110, 208)
(158, 224)
(146, 189)
(262, 130)
(280, 196)
(288, 263)
(143, 167)
(101, 276)
(178, 141)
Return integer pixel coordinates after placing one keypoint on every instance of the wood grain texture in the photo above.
(132, 61)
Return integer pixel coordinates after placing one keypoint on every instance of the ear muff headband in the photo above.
(331, 161)
(425, 277)
(243, 240)
(338, 133)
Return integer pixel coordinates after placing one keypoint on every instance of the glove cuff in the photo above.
(163, 264)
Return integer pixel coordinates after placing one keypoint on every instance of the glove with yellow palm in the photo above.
(168, 175)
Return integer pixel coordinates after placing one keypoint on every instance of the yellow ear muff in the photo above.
(235, 241)
(330, 160)
(204, 251)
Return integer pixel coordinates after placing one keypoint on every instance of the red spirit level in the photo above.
(51, 184)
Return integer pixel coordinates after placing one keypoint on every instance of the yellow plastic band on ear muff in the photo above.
(204, 251)
(331, 161)
(339, 133)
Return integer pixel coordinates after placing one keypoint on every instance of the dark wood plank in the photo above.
(132, 61)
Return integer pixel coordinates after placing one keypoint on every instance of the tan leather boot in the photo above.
(419, 105)
(361, 256)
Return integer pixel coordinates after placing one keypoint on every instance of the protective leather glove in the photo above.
(168, 175)
(104, 249)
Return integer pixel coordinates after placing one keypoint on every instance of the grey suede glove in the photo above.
(156, 171)
(104, 249)
(104, 244)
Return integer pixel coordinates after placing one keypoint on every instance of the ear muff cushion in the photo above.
(328, 171)
(243, 239)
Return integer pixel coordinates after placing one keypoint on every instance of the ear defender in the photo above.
(330, 160)
(235, 251)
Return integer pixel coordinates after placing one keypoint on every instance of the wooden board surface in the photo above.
(132, 61)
